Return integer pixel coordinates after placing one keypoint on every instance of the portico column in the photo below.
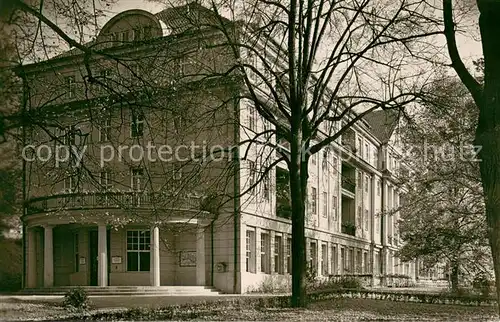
(31, 259)
(102, 270)
(200, 256)
(155, 256)
(48, 257)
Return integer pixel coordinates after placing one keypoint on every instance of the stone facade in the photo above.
(128, 225)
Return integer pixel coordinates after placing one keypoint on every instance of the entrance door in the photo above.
(93, 253)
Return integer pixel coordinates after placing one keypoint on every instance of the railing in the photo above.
(115, 199)
(348, 184)
(349, 229)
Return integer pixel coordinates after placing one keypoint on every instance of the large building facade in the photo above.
(108, 216)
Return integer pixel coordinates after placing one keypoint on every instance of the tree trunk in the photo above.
(454, 276)
(298, 217)
(488, 129)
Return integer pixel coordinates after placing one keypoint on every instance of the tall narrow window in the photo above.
(252, 172)
(250, 250)
(105, 128)
(105, 180)
(325, 204)
(138, 250)
(136, 179)
(324, 259)
(265, 253)
(334, 208)
(313, 258)
(137, 124)
(278, 255)
(334, 260)
(252, 118)
(70, 86)
(367, 219)
(137, 185)
(266, 188)
(324, 164)
(314, 196)
(69, 182)
(289, 255)
(342, 265)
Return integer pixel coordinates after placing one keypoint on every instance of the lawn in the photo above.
(332, 310)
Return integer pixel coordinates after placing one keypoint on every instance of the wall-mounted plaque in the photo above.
(116, 260)
(82, 261)
(187, 258)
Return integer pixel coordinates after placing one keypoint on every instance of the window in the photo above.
(265, 253)
(324, 164)
(252, 170)
(335, 165)
(324, 259)
(367, 219)
(375, 155)
(366, 184)
(70, 86)
(334, 208)
(333, 260)
(366, 267)
(105, 128)
(359, 261)
(342, 264)
(138, 245)
(313, 200)
(124, 36)
(136, 179)
(105, 180)
(278, 255)
(313, 256)
(76, 242)
(379, 187)
(377, 225)
(266, 190)
(69, 183)
(325, 204)
(289, 255)
(367, 152)
(360, 179)
(137, 124)
(350, 261)
(250, 250)
(138, 35)
(179, 122)
(360, 147)
(252, 119)
(70, 135)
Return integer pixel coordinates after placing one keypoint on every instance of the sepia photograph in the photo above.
(250, 160)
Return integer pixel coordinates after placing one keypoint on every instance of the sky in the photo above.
(469, 46)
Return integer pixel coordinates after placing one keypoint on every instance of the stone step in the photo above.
(127, 290)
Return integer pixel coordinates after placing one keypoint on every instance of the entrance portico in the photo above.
(134, 255)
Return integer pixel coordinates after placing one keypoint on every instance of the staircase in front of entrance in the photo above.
(127, 290)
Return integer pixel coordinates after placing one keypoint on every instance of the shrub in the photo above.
(482, 285)
(10, 264)
(76, 300)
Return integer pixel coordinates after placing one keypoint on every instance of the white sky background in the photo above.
(469, 45)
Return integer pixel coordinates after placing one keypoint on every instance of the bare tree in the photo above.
(310, 70)
(486, 97)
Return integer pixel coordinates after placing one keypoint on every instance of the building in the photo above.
(105, 216)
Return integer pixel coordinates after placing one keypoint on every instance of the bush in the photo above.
(76, 300)
(11, 264)
(482, 285)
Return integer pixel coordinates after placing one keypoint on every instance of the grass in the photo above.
(237, 310)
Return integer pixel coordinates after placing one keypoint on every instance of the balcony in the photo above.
(348, 229)
(114, 200)
(348, 184)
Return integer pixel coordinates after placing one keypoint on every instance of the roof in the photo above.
(177, 19)
(382, 123)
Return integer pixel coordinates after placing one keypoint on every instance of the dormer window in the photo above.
(138, 35)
